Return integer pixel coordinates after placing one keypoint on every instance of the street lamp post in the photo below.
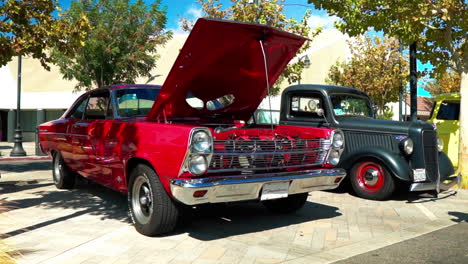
(306, 65)
(413, 83)
(18, 137)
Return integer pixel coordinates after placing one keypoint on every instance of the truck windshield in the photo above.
(350, 105)
(135, 101)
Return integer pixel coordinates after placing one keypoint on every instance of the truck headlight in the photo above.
(407, 146)
(440, 144)
(201, 142)
(198, 164)
(338, 140)
(334, 157)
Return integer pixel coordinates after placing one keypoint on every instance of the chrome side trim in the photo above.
(248, 187)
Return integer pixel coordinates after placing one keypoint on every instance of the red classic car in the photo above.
(188, 141)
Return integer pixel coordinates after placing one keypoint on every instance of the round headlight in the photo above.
(201, 142)
(198, 164)
(338, 140)
(440, 144)
(334, 157)
(408, 146)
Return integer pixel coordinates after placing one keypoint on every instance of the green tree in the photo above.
(121, 45)
(28, 27)
(439, 27)
(269, 13)
(376, 67)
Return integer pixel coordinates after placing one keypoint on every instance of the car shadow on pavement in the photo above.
(19, 186)
(21, 166)
(86, 198)
(206, 223)
(225, 220)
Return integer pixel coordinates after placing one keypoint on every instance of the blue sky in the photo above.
(293, 8)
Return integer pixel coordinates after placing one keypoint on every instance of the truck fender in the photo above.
(395, 163)
(445, 166)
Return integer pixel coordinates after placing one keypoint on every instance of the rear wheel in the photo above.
(371, 180)
(63, 177)
(286, 205)
(153, 212)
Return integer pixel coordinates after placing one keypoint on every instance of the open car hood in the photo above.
(223, 60)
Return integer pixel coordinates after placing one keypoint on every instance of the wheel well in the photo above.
(376, 160)
(133, 162)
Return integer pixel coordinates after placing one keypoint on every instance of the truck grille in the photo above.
(267, 155)
(431, 158)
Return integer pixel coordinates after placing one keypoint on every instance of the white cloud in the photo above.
(325, 21)
(194, 12)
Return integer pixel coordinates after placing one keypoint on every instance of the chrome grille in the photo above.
(267, 155)
(431, 158)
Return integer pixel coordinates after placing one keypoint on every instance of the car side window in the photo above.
(78, 112)
(97, 106)
(449, 110)
(305, 106)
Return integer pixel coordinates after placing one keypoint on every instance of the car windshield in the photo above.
(350, 105)
(135, 101)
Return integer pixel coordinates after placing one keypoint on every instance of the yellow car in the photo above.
(445, 115)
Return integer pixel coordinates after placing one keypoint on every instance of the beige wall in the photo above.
(325, 50)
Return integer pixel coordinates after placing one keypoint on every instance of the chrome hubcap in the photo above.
(371, 176)
(142, 200)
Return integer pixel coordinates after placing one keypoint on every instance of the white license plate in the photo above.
(274, 190)
(419, 175)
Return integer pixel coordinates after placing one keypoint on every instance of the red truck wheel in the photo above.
(372, 180)
(61, 174)
(153, 212)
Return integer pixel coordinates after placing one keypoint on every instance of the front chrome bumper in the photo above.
(444, 185)
(247, 187)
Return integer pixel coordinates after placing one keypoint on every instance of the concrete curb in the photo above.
(26, 158)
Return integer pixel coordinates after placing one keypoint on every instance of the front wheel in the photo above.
(63, 177)
(372, 180)
(286, 205)
(153, 212)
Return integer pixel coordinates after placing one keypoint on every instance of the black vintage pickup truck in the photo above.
(380, 155)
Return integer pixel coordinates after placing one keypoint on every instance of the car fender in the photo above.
(445, 166)
(395, 163)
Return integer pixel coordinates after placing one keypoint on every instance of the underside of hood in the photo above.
(221, 69)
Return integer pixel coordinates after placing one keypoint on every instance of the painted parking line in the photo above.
(426, 211)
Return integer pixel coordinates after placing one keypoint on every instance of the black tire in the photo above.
(153, 212)
(371, 180)
(286, 205)
(63, 177)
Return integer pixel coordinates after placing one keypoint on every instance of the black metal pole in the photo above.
(400, 112)
(413, 83)
(18, 137)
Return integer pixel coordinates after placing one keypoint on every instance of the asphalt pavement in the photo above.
(447, 245)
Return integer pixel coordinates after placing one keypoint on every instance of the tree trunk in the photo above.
(463, 151)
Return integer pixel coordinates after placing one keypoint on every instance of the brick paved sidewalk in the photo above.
(90, 225)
